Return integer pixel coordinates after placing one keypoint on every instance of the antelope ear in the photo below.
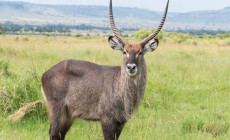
(151, 46)
(115, 43)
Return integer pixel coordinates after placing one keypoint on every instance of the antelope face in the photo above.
(133, 53)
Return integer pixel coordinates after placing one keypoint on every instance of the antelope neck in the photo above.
(132, 88)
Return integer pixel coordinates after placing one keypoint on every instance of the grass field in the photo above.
(187, 95)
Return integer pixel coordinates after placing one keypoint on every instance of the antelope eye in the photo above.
(140, 53)
(124, 52)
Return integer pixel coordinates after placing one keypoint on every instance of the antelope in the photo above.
(109, 94)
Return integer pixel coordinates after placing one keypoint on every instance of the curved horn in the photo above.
(158, 29)
(114, 28)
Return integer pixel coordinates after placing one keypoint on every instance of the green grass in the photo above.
(187, 95)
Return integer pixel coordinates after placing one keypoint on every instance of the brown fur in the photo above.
(134, 47)
(80, 89)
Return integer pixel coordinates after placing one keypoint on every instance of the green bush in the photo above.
(142, 34)
(181, 37)
(223, 36)
(206, 36)
(125, 35)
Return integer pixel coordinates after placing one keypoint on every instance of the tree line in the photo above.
(14, 28)
(11, 28)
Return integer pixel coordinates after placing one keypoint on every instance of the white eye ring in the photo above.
(140, 53)
(125, 53)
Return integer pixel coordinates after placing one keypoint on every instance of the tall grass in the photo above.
(187, 94)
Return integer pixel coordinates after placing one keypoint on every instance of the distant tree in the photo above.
(223, 36)
(206, 36)
(125, 35)
(79, 35)
(0, 32)
(141, 34)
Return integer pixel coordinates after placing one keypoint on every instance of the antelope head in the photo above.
(133, 53)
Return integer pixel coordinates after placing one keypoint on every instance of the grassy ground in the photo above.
(187, 94)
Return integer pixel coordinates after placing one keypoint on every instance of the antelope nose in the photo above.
(131, 67)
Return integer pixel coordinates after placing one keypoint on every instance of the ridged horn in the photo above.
(114, 28)
(146, 40)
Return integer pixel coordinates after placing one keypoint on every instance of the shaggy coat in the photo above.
(79, 89)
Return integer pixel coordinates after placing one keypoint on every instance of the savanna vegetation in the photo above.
(10, 28)
(187, 94)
